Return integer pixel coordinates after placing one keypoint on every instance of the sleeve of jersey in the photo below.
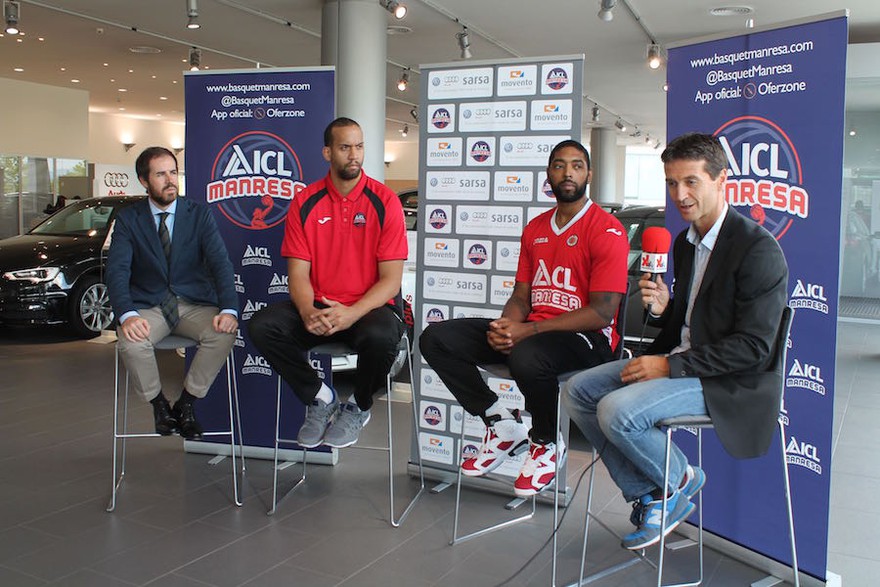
(609, 249)
(524, 265)
(392, 241)
(295, 244)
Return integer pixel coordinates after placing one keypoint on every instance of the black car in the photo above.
(53, 274)
(635, 220)
(409, 199)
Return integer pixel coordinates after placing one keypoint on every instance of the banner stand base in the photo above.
(263, 452)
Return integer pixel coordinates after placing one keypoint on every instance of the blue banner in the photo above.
(254, 140)
(775, 99)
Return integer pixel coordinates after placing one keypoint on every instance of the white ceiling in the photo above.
(90, 40)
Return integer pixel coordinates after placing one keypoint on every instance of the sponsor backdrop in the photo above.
(486, 132)
(253, 140)
(775, 98)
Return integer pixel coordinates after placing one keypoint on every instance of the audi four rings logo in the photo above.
(116, 180)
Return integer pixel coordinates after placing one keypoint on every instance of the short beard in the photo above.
(161, 199)
(566, 198)
(347, 175)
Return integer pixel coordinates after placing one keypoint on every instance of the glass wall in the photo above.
(30, 187)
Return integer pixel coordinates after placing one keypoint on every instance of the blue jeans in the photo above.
(620, 421)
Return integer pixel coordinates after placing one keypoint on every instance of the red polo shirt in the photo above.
(345, 237)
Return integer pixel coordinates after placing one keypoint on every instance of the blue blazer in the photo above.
(138, 276)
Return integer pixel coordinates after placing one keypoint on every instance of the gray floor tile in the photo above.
(853, 532)
(285, 575)
(19, 541)
(13, 577)
(855, 571)
(88, 578)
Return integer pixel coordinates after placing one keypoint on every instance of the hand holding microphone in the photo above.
(653, 263)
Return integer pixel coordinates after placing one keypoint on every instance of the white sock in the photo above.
(326, 394)
(497, 409)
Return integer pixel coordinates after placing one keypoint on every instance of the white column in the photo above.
(603, 144)
(353, 37)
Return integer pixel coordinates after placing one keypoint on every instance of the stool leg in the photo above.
(278, 439)
(794, 560)
(112, 505)
(229, 368)
(556, 490)
(663, 520)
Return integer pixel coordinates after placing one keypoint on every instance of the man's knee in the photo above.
(429, 341)
(259, 326)
(614, 414)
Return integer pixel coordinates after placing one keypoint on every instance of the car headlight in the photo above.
(36, 275)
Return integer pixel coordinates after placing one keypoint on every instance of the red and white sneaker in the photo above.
(539, 469)
(504, 439)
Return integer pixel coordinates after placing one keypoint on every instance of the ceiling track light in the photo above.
(414, 113)
(394, 7)
(606, 8)
(195, 58)
(595, 113)
(464, 43)
(192, 14)
(405, 130)
(620, 125)
(403, 82)
(11, 12)
(655, 59)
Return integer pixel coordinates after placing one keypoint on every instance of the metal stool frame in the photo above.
(404, 355)
(172, 342)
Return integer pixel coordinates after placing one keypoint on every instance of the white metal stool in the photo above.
(403, 357)
(698, 423)
(173, 342)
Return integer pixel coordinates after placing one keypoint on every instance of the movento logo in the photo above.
(253, 179)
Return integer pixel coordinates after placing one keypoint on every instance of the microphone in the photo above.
(655, 252)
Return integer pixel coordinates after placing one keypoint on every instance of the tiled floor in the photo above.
(175, 524)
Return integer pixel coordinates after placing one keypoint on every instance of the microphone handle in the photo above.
(654, 278)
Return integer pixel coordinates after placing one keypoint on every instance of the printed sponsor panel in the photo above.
(441, 118)
(508, 393)
(461, 287)
(507, 255)
(461, 83)
(432, 313)
(457, 185)
(473, 425)
(472, 312)
(432, 415)
(501, 288)
(438, 219)
(480, 151)
(444, 152)
(543, 191)
(517, 80)
(442, 252)
(492, 116)
(433, 386)
(495, 220)
(436, 447)
(550, 115)
(477, 254)
(513, 186)
(527, 150)
(556, 78)
(533, 212)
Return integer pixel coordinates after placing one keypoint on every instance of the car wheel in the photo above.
(89, 307)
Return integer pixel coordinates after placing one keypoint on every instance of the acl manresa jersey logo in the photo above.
(764, 173)
(253, 179)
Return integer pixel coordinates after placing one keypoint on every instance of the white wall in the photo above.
(404, 157)
(43, 121)
(107, 133)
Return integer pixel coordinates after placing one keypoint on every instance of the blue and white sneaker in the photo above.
(694, 479)
(678, 508)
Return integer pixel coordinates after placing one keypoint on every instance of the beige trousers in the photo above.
(196, 322)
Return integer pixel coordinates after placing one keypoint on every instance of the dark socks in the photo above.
(159, 399)
(186, 398)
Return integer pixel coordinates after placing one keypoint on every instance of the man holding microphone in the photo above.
(712, 356)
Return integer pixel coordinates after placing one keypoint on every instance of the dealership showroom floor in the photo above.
(175, 524)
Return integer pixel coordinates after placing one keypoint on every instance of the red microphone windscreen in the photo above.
(656, 239)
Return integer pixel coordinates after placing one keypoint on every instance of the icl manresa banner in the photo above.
(775, 99)
(253, 140)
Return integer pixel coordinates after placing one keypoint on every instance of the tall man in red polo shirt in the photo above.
(345, 243)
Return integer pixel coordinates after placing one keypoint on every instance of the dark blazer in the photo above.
(138, 276)
(734, 323)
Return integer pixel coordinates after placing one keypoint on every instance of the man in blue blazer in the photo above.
(168, 272)
(713, 355)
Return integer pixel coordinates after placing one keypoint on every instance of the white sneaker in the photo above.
(539, 470)
(504, 439)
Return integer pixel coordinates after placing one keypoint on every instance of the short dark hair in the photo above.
(569, 143)
(696, 146)
(338, 123)
(142, 165)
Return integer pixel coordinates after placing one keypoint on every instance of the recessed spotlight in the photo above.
(122, 90)
(106, 65)
(130, 71)
(121, 109)
(18, 69)
(731, 11)
(174, 81)
(112, 80)
(163, 97)
(153, 76)
(75, 81)
(63, 69)
(41, 38)
(18, 40)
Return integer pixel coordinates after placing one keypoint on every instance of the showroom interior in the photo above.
(86, 85)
